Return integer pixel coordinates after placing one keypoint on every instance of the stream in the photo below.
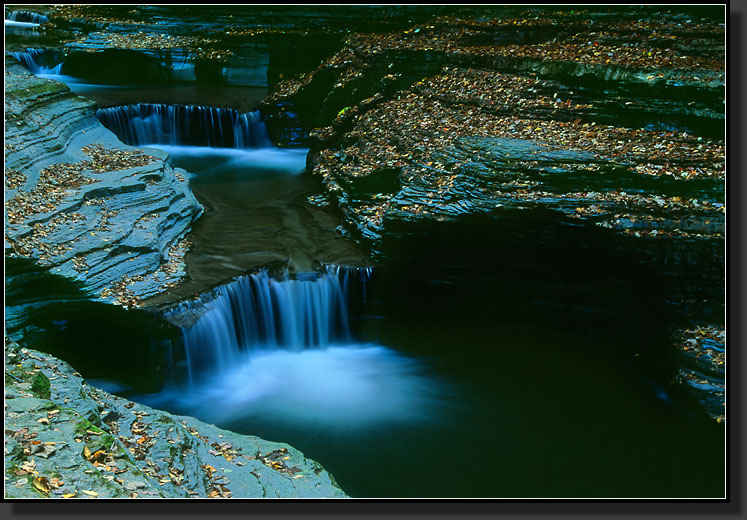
(436, 371)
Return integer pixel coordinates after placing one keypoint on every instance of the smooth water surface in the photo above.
(257, 213)
(418, 405)
(474, 410)
(255, 194)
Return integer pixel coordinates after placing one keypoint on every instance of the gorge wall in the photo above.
(580, 158)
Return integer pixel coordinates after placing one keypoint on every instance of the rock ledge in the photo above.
(65, 438)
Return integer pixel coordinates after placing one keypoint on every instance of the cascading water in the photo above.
(148, 124)
(36, 60)
(26, 16)
(281, 351)
(257, 311)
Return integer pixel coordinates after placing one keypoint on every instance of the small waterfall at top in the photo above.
(259, 312)
(145, 124)
(36, 60)
(26, 16)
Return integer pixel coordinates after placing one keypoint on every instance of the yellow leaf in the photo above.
(41, 484)
(68, 495)
(90, 493)
(99, 455)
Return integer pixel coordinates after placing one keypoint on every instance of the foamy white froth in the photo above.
(281, 351)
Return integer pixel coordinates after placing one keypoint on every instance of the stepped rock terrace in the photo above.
(371, 232)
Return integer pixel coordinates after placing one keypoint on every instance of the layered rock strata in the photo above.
(604, 123)
(702, 374)
(434, 123)
(83, 204)
(67, 439)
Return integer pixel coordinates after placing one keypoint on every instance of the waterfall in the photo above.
(144, 124)
(26, 16)
(259, 312)
(279, 353)
(34, 60)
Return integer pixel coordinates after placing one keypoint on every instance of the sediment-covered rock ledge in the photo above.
(586, 116)
(606, 127)
(82, 203)
(65, 438)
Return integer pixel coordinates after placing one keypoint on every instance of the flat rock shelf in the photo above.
(66, 438)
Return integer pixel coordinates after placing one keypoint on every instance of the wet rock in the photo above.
(464, 139)
(132, 486)
(83, 204)
(701, 377)
(83, 442)
(467, 128)
(453, 143)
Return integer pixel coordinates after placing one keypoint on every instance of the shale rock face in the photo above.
(555, 132)
(449, 118)
(64, 438)
(701, 376)
(82, 203)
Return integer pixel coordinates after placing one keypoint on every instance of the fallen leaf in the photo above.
(42, 484)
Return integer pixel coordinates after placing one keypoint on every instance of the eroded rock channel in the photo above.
(445, 252)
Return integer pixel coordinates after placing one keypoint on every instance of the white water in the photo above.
(281, 352)
(22, 25)
(341, 387)
(26, 17)
(291, 161)
(78, 85)
(185, 125)
(258, 311)
(32, 60)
